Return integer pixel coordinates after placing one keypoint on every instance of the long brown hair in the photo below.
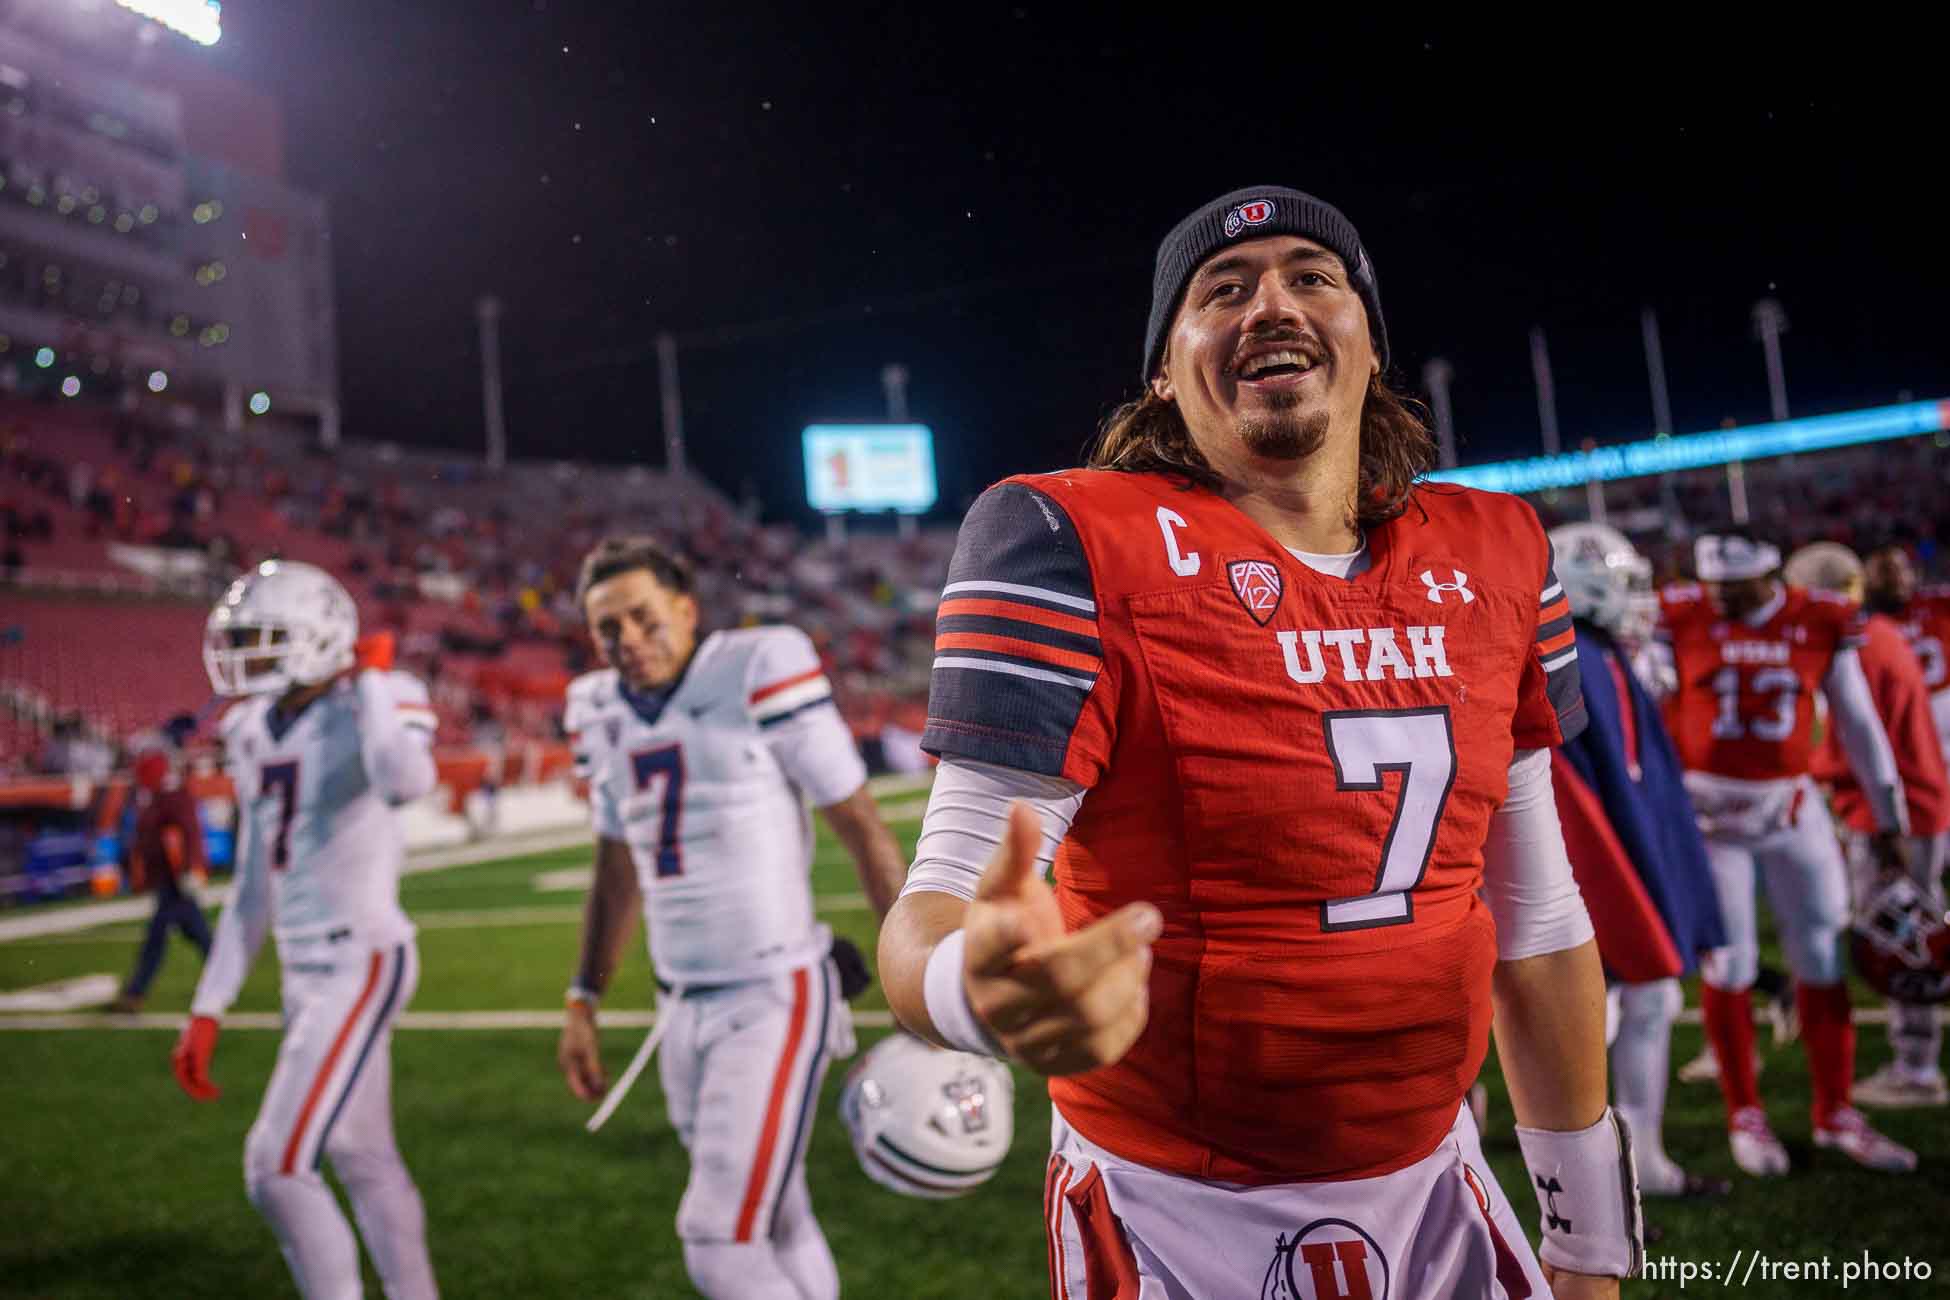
(1149, 436)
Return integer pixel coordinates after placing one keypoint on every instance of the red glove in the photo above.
(191, 1059)
(373, 652)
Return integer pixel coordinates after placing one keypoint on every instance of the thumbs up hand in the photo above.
(1061, 1003)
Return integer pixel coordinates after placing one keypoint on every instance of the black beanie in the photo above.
(1254, 214)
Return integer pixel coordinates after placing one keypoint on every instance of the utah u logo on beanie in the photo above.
(1256, 213)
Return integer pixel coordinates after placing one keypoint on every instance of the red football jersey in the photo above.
(1298, 769)
(1903, 704)
(1925, 624)
(1744, 706)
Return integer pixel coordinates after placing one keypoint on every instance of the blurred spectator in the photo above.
(165, 850)
(72, 751)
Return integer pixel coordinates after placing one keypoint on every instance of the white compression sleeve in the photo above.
(241, 929)
(967, 811)
(1852, 708)
(1527, 876)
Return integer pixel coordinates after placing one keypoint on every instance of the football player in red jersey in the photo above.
(1750, 653)
(1277, 712)
(1914, 1076)
(1923, 616)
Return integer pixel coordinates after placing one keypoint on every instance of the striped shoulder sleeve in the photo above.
(784, 678)
(1016, 649)
(414, 705)
(1550, 709)
(581, 720)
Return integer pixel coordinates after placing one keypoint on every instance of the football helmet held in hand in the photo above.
(1901, 945)
(926, 1121)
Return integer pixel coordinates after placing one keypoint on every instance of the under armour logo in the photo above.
(1460, 586)
(1554, 1221)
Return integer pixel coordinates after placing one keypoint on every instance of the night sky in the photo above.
(977, 194)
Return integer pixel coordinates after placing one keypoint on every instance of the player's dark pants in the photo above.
(173, 908)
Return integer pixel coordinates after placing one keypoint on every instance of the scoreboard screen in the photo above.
(870, 467)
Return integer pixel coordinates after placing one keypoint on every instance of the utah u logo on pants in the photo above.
(1329, 1259)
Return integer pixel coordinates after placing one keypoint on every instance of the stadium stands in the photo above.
(475, 573)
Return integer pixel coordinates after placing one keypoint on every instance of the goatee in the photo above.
(1284, 433)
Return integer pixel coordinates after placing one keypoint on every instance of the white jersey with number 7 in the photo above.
(707, 783)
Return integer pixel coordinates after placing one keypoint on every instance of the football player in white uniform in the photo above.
(325, 745)
(700, 757)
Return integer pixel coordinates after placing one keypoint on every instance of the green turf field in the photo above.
(112, 1184)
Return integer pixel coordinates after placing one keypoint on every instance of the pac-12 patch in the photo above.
(1257, 584)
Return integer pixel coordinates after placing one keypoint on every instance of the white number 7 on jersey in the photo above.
(1366, 745)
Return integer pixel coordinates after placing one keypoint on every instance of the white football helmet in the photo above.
(1606, 580)
(1825, 566)
(292, 622)
(926, 1121)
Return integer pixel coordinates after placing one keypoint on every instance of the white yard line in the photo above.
(68, 920)
(71, 920)
(441, 1020)
(460, 919)
(77, 994)
(564, 880)
(512, 846)
(899, 783)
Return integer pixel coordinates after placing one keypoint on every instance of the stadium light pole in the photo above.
(487, 311)
(1540, 367)
(672, 402)
(1436, 377)
(1655, 369)
(1770, 322)
(893, 382)
(1594, 491)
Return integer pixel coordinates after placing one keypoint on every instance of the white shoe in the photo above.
(1848, 1131)
(1660, 1177)
(1755, 1148)
(1705, 1068)
(1894, 1088)
(1783, 1018)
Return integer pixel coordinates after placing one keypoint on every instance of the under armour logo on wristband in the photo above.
(1554, 1221)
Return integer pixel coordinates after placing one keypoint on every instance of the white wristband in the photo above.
(1588, 1193)
(947, 1001)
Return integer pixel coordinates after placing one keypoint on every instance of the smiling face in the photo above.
(1270, 352)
